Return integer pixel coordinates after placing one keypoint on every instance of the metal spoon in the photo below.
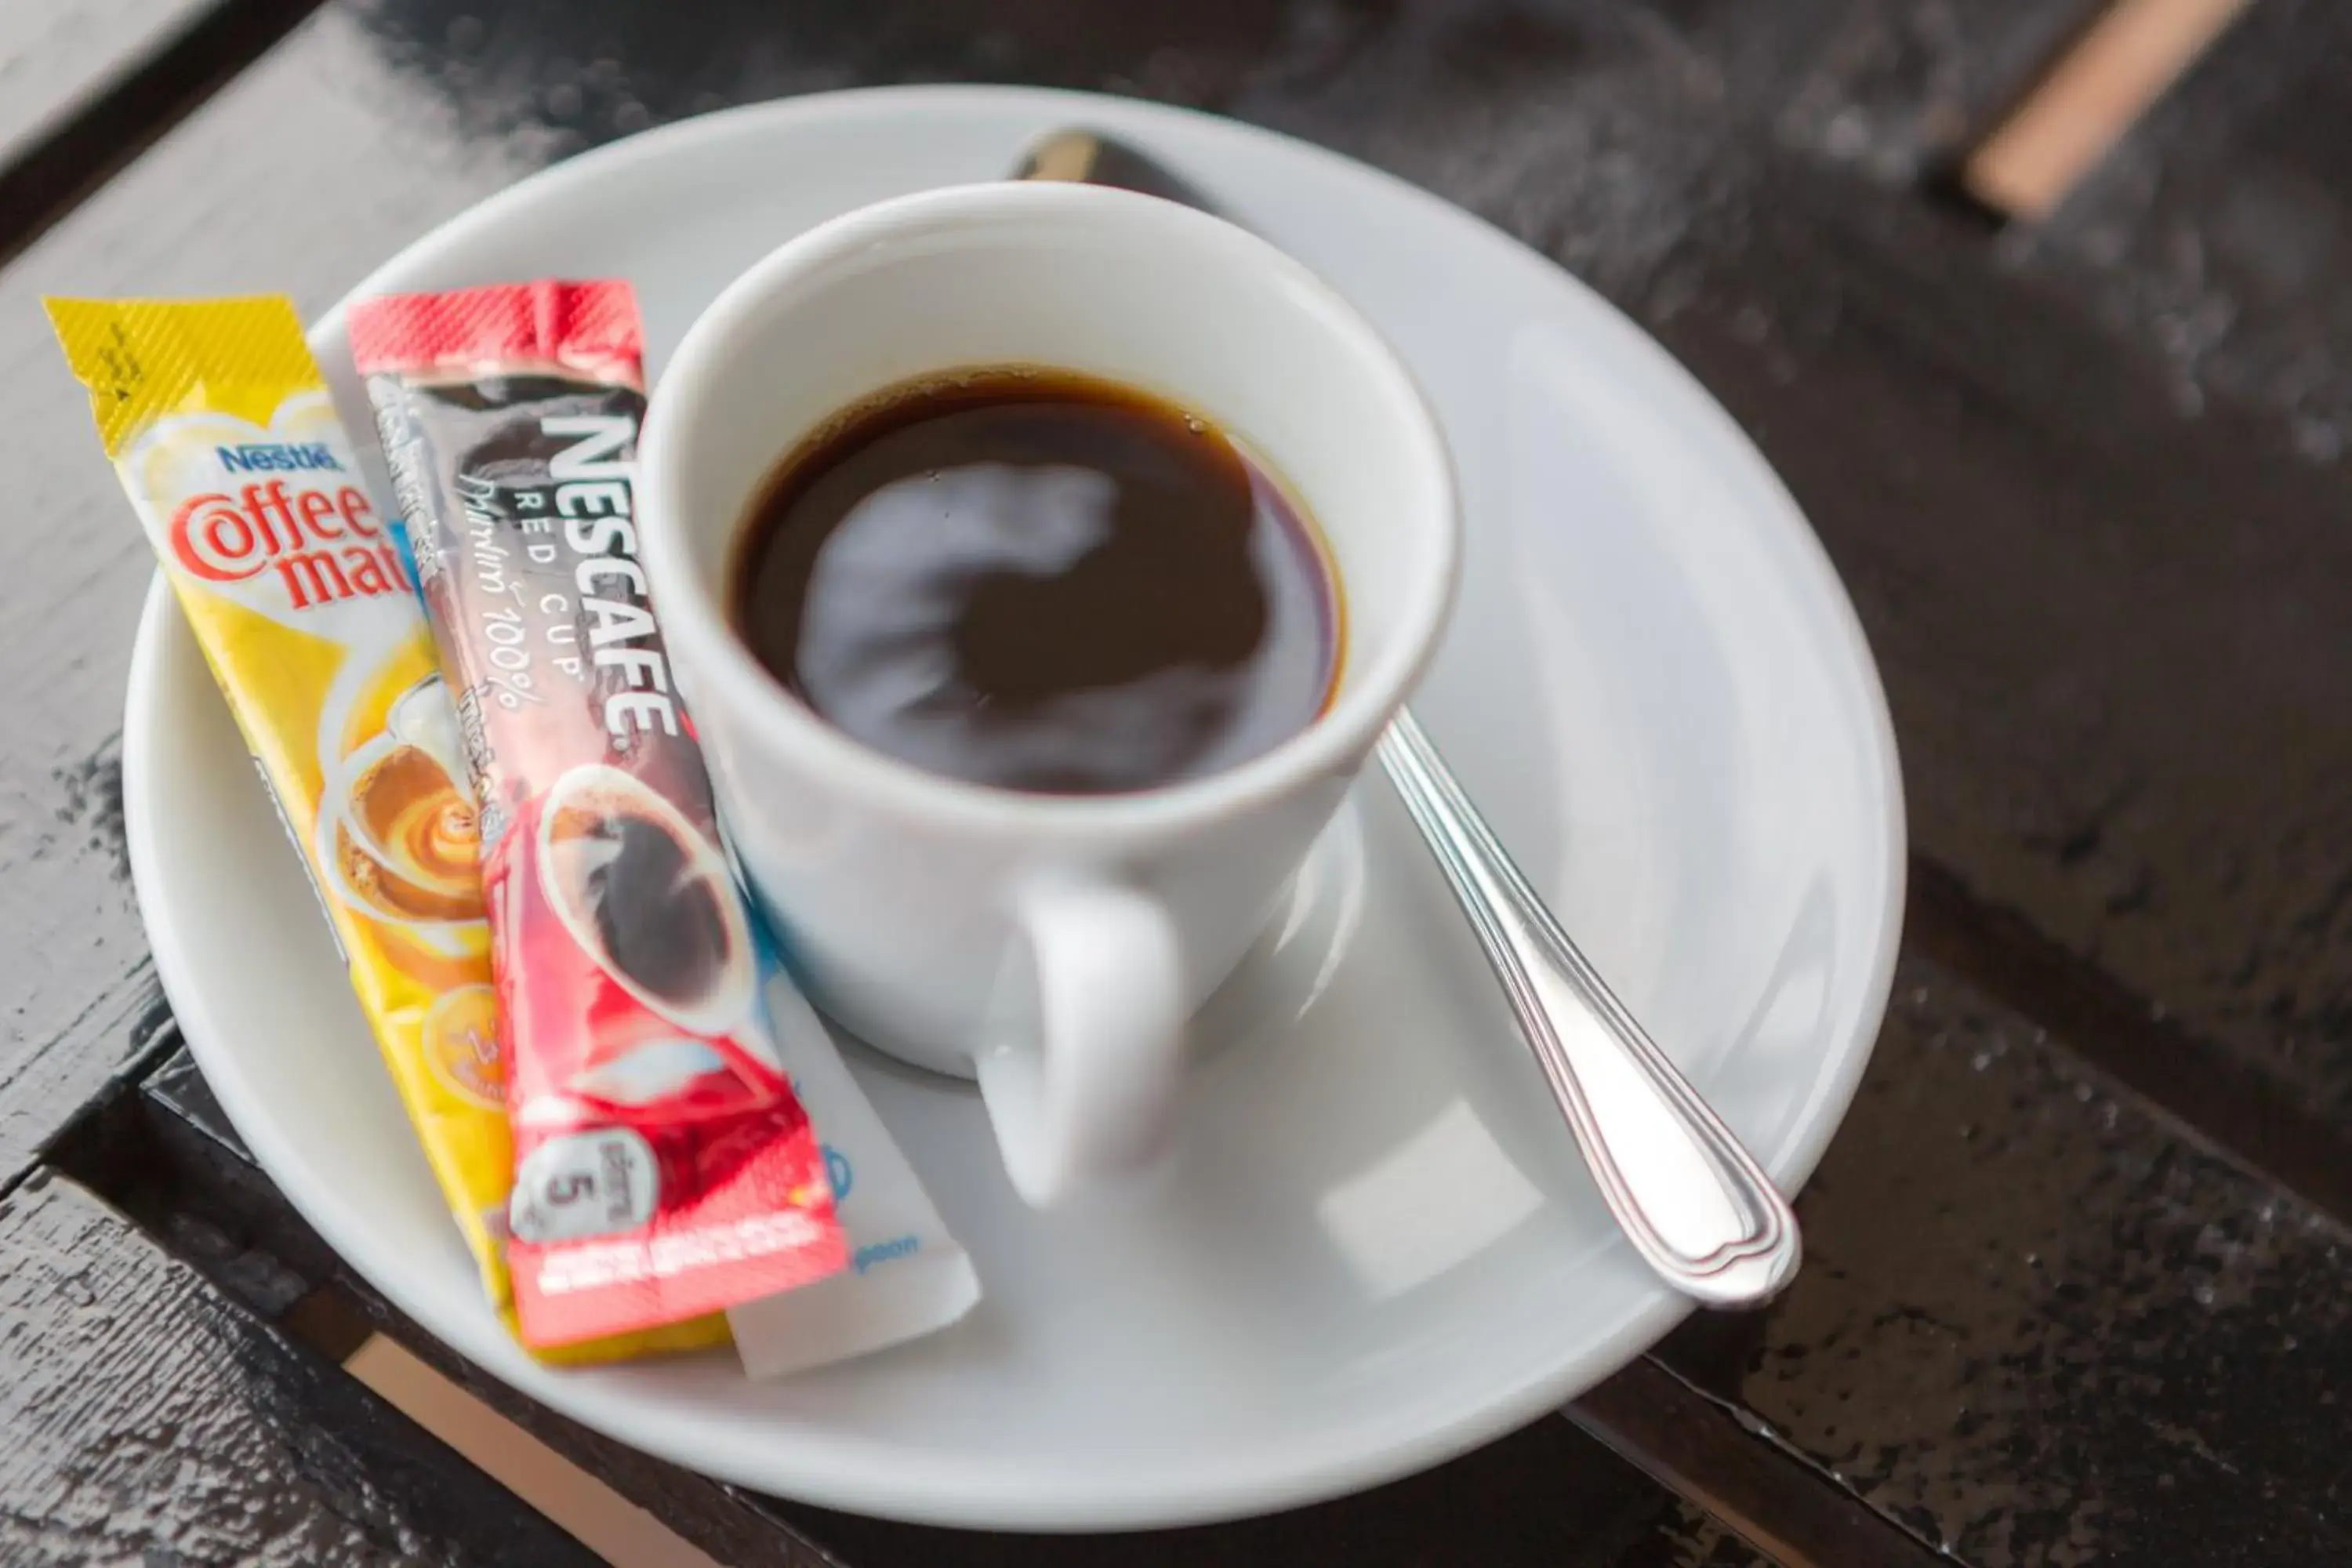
(1696, 1205)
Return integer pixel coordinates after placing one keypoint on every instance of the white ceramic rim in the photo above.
(1334, 742)
(944, 1491)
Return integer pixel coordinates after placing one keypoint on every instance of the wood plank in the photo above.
(2089, 97)
(257, 191)
(1706, 1451)
(85, 84)
(2217, 241)
(2034, 1326)
(2207, 1094)
(600, 1519)
(2081, 655)
(1548, 1497)
(2104, 594)
(147, 1419)
(57, 57)
(2110, 632)
(1557, 1496)
(165, 1154)
(2217, 236)
(1887, 86)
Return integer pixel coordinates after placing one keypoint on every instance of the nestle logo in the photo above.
(273, 457)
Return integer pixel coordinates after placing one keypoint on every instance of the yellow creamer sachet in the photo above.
(296, 585)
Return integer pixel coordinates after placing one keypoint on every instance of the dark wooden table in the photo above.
(2080, 1280)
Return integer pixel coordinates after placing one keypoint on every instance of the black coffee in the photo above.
(656, 909)
(1040, 581)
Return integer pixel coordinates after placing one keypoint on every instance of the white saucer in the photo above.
(1376, 1247)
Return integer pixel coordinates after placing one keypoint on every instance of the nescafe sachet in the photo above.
(663, 1166)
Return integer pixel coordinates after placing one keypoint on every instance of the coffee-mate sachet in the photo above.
(225, 439)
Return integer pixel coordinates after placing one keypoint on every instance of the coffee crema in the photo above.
(1040, 581)
(417, 853)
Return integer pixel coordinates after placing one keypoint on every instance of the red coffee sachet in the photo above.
(663, 1166)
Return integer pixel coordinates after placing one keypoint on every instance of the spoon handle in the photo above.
(1695, 1203)
(1698, 1208)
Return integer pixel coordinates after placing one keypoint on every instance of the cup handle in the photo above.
(1088, 1100)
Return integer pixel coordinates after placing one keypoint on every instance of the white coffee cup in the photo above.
(1052, 946)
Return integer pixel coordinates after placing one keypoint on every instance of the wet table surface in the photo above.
(2079, 1287)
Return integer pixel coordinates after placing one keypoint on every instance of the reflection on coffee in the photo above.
(416, 852)
(657, 909)
(1040, 581)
